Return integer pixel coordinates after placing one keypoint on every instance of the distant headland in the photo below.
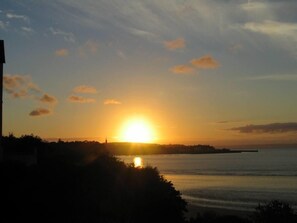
(127, 148)
(32, 148)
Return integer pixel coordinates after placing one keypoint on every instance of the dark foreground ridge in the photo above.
(73, 182)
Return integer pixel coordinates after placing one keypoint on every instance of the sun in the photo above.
(137, 130)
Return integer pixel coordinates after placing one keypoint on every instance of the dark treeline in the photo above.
(73, 183)
(118, 148)
(272, 212)
(82, 182)
(94, 147)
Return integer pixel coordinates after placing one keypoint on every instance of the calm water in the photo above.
(234, 181)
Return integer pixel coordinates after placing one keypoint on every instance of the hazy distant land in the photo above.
(146, 149)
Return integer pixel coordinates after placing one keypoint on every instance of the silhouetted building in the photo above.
(2, 61)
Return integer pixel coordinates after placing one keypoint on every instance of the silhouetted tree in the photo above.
(66, 186)
(274, 212)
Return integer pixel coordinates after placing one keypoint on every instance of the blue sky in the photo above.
(199, 71)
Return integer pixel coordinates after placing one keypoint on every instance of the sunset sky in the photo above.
(222, 72)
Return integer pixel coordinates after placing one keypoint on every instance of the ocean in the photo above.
(236, 181)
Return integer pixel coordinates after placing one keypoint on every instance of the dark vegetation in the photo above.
(272, 212)
(212, 217)
(82, 182)
(72, 182)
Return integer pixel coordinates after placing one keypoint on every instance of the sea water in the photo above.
(237, 181)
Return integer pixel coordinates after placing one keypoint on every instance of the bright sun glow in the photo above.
(137, 130)
(137, 162)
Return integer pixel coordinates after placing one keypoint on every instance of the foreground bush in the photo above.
(275, 212)
(103, 190)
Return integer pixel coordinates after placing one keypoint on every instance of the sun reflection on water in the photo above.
(137, 162)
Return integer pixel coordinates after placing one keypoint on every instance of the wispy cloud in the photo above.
(235, 48)
(268, 128)
(22, 87)
(182, 69)
(280, 77)
(273, 29)
(222, 122)
(20, 94)
(175, 44)
(85, 89)
(27, 29)
(112, 102)
(46, 98)
(89, 47)
(251, 6)
(79, 99)
(16, 16)
(19, 86)
(2, 25)
(205, 62)
(142, 33)
(62, 52)
(228, 122)
(121, 54)
(34, 87)
(92, 46)
(40, 112)
(67, 36)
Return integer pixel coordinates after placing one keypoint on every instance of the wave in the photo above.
(223, 204)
